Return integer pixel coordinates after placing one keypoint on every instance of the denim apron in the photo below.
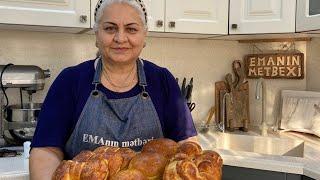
(128, 122)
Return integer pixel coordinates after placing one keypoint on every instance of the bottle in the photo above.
(26, 149)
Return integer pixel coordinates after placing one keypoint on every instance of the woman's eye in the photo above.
(110, 29)
(132, 30)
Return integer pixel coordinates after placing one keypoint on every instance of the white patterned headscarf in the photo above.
(137, 4)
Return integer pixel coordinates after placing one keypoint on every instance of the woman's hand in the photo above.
(43, 162)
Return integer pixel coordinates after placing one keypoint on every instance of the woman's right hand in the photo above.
(43, 162)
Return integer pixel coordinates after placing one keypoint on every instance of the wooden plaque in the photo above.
(275, 66)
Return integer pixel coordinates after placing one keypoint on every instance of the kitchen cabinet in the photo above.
(203, 17)
(57, 13)
(173, 18)
(168, 18)
(235, 173)
(93, 7)
(267, 16)
(155, 10)
(188, 16)
(308, 15)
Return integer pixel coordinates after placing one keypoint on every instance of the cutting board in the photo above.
(238, 108)
(237, 104)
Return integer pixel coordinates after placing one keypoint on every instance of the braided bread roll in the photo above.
(209, 163)
(68, 170)
(190, 148)
(73, 170)
(159, 159)
(95, 170)
(127, 154)
(181, 169)
(129, 174)
(102, 163)
(192, 163)
(151, 165)
(112, 155)
(83, 156)
(166, 147)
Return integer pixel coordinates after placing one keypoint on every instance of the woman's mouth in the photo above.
(120, 50)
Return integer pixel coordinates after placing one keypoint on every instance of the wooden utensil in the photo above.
(206, 125)
(220, 88)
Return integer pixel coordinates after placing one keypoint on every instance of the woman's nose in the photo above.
(120, 37)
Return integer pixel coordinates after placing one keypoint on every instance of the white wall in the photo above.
(206, 60)
(313, 65)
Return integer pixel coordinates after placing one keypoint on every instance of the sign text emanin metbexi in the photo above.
(275, 66)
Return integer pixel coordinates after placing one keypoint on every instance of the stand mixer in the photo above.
(18, 121)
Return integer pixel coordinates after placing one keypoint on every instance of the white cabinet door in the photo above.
(62, 13)
(262, 16)
(93, 8)
(155, 11)
(308, 15)
(194, 16)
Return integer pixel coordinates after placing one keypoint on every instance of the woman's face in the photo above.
(121, 33)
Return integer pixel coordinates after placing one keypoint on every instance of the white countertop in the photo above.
(309, 165)
(18, 168)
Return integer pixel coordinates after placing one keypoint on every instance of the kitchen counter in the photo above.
(307, 165)
(17, 168)
(14, 168)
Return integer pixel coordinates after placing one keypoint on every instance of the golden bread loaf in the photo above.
(127, 154)
(204, 166)
(150, 164)
(166, 147)
(181, 169)
(64, 170)
(83, 156)
(112, 155)
(95, 169)
(73, 170)
(159, 159)
(129, 174)
(191, 149)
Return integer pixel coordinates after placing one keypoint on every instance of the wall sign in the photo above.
(275, 66)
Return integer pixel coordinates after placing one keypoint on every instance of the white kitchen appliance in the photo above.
(18, 121)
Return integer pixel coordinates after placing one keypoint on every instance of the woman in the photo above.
(116, 100)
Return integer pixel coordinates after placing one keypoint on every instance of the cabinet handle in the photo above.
(159, 23)
(234, 26)
(83, 18)
(172, 24)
